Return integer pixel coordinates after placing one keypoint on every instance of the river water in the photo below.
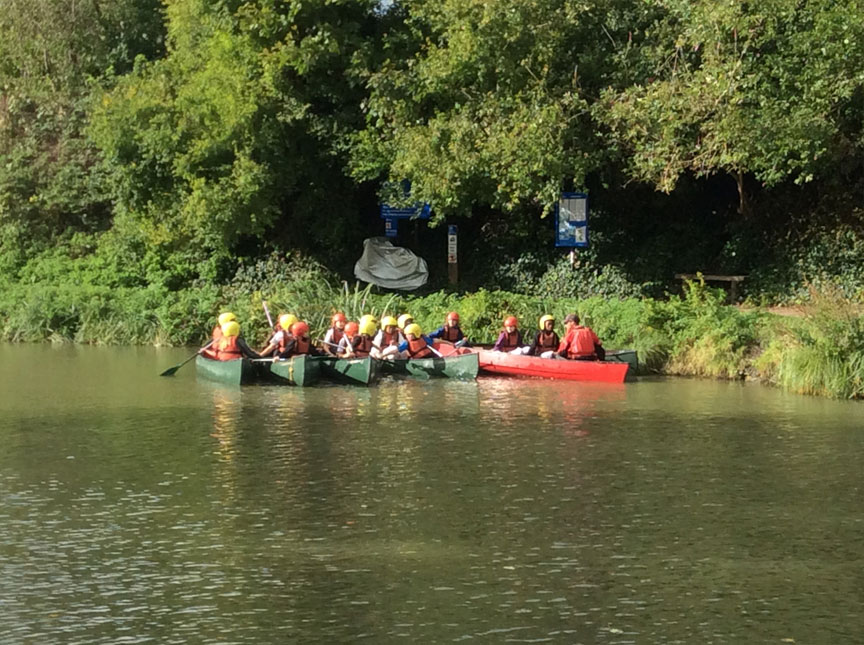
(137, 509)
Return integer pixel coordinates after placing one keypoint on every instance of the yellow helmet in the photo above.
(286, 320)
(414, 330)
(230, 328)
(368, 327)
(367, 318)
(226, 317)
(389, 321)
(405, 319)
(544, 320)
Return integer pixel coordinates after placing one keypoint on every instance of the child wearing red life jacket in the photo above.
(416, 344)
(510, 339)
(335, 334)
(450, 330)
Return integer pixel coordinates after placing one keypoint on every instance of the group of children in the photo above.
(580, 343)
(392, 338)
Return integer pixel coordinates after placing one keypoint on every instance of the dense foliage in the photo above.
(152, 154)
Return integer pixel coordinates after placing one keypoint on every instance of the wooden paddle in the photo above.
(171, 370)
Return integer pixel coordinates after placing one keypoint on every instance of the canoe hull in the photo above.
(349, 371)
(457, 366)
(237, 372)
(302, 371)
(533, 366)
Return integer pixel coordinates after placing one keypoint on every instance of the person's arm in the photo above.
(403, 346)
(437, 333)
(378, 340)
(562, 347)
(247, 351)
(501, 337)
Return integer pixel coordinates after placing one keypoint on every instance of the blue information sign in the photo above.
(390, 227)
(571, 220)
(420, 211)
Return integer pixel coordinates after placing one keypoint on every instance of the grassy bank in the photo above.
(696, 334)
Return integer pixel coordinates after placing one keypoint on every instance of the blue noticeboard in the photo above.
(571, 220)
(420, 211)
(390, 227)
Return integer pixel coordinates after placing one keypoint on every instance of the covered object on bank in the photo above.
(391, 267)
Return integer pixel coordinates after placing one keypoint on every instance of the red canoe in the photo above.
(516, 365)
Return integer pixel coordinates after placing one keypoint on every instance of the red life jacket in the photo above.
(226, 349)
(282, 345)
(511, 341)
(301, 346)
(389, 339)
(547, 340)
(338, 334)
(450, 334)
(582, 343)
(362, 345)
(419, 348)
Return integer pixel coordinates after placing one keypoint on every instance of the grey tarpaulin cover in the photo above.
(391, 267)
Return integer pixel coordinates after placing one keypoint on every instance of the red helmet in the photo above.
(299, 328)
(339, 317)
(351, 329)
(453, 316)
(510, 321)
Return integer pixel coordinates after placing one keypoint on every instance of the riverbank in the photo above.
(820, 352)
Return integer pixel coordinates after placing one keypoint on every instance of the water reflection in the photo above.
(495, 511)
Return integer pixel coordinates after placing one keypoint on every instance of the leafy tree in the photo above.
(239, 133)
(488, 103)
(52, 53)
(771, 88)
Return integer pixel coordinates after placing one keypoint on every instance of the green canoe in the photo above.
(297, 370)
(464, 366)
(237, 372)
(354, 371)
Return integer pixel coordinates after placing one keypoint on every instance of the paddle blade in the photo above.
(170, 371)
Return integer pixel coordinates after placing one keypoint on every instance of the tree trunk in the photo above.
(744, 208)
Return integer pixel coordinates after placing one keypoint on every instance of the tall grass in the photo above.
(821, 353)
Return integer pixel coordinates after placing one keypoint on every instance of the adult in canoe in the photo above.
(546, 341)
(335, 334)
(281, 337)
(580, 343)
(416, 345)
(510, 339)
(232, 345)
(450, 330)
(386, 342)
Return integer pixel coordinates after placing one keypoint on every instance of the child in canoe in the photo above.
(335, 334)
(361, 343)
(281, 336)
(416, 345)
(386, 342)
(231, 345)
(510, 339)
(450, 331)
(546, 341)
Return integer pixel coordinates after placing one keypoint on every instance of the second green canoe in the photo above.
(352, 371)
(297, 370)
(464, 366)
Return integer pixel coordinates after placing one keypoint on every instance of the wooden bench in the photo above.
(733, 281)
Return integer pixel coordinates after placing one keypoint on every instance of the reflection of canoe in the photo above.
(516, 365)
(354, 371)
(237, 372)
(297, 370)
(461, 367)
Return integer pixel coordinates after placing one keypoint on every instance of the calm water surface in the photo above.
(141, 509)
